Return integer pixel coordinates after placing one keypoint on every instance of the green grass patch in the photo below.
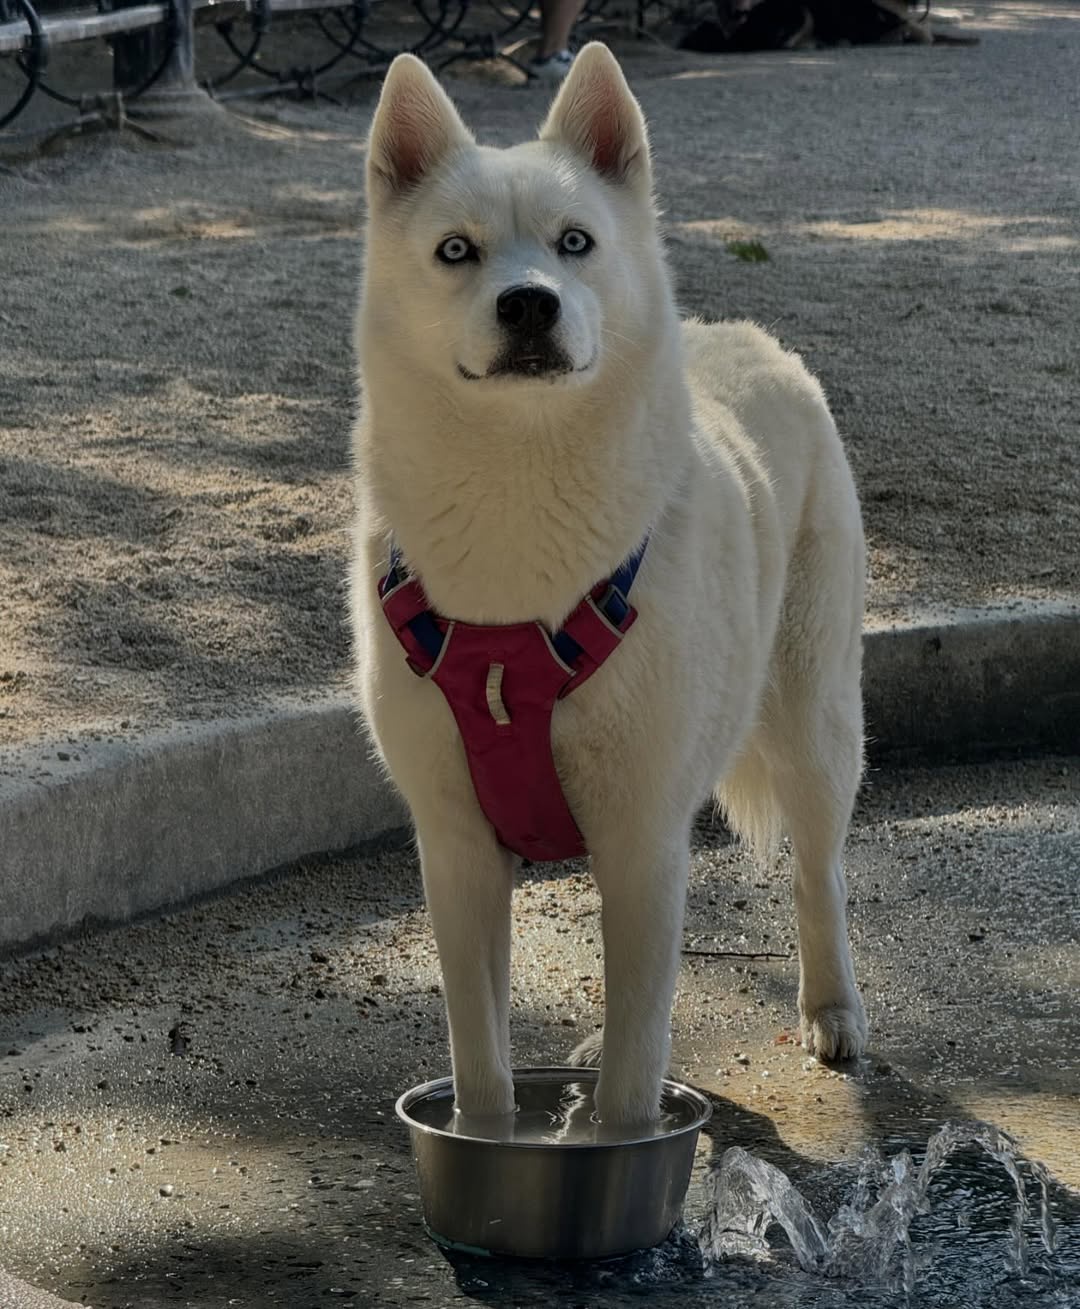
(750, 252)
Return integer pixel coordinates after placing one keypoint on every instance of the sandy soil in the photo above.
(176, 380)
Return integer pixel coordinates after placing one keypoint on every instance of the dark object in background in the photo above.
(743, 25)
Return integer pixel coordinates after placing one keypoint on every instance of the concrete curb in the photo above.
(979, 682)
(131, 828)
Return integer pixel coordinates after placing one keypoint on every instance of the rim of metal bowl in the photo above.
(544, 1073)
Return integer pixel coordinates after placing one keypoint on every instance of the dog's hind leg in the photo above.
(468, 883)
(587, 1053)
(815, 779)
(812, 743)
(801, 770)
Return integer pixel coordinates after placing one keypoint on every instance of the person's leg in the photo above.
(557, 19)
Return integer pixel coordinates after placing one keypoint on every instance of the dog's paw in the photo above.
(834, 1031)
(587, 1054)
(489, 1127)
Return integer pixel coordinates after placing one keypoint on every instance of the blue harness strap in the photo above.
(613, 603)
(423, 627)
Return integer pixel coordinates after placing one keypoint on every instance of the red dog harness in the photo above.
(501, 682)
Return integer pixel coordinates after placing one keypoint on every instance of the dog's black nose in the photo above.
(528, 309)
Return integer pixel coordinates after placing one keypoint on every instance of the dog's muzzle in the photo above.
(530, 359)
(527, 314)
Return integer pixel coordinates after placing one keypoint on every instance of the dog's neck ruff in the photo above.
(501, 682)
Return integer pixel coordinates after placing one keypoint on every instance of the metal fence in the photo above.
(152, 43)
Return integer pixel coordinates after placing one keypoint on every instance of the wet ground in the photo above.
(198, 1110)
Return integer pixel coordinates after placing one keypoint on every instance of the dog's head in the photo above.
(496, 269)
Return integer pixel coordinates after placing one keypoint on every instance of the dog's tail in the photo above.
(748, 803)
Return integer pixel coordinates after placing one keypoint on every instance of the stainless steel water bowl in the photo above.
(546, 1183)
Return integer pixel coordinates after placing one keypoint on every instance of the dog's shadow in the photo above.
(504, 1281)
(893, 1112)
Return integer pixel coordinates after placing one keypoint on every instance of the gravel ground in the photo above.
(198, 1110)
(176, 380)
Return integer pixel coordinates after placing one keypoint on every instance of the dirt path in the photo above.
(175, 371)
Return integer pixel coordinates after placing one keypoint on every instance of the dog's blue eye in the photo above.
(575, 242)
(455, 250)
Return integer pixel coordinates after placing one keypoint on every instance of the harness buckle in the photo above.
(614, 606)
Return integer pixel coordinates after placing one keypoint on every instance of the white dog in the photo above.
(533, 412)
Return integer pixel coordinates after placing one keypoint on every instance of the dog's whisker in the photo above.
(618, 336)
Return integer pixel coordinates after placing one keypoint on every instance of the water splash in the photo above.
(749, 1195)
(868, 1239)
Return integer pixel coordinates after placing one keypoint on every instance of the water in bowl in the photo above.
(550, 1111)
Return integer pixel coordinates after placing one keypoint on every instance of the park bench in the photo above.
(145, 36)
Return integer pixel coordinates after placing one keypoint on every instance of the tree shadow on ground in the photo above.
(196, 330)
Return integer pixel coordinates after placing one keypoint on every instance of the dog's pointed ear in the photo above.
(414, 127)
(595, 115)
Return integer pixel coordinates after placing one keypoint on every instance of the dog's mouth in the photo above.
(527, 363)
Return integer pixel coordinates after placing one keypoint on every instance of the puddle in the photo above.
(962, 1223)
(877, 1237)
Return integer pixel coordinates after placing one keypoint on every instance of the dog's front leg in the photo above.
(643, 886)
(468, 883)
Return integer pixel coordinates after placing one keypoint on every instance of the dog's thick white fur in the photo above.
(511, 495)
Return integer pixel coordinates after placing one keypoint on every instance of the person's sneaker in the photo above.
(552, 68)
